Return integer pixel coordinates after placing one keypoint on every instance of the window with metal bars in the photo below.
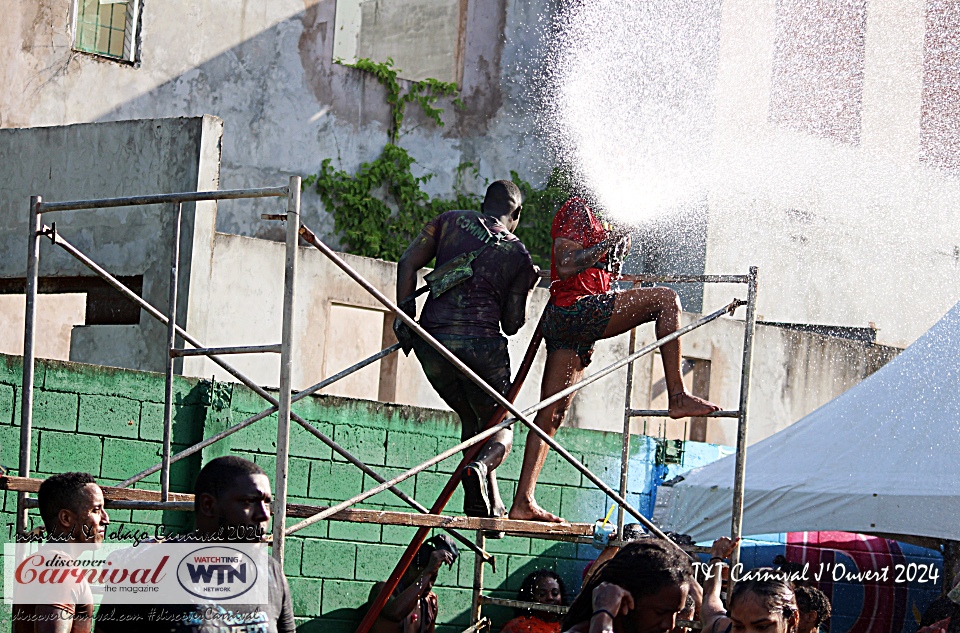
(106, 27)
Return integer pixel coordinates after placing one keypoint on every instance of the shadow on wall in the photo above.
(285, 105)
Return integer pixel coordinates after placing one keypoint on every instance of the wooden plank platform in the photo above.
(352, 515)
(387, 517)
(28, 484)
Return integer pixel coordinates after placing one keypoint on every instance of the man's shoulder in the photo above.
(453, 214)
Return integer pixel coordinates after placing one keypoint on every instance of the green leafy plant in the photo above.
(378, 210)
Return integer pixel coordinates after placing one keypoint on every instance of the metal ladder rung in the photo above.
(216, 351)
(660, 413)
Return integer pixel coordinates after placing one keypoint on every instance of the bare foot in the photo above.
(530, 511)
(685, 405)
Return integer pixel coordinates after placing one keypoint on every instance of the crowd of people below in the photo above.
(643, 585)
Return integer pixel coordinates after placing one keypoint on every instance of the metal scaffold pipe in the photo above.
(736, 523)
(286, 368)
(171, 343)
(29, 354)
(239, 426)
(163, 198)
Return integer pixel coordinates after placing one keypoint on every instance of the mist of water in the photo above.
(632, 99)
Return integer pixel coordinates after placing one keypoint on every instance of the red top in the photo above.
(530, 624)
(575, 221)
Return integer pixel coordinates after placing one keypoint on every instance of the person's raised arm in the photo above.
(571, 258)
(609, 601)
(713, 614)
(398, 607)
(418, 254)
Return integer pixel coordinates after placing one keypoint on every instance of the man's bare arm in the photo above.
(713, 615)
(514, 312)
(399, 606)
(418, 254)
(56, 620)
(571, 258)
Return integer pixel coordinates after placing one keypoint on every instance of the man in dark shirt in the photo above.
(231, 504)
(467, 319)
(71, 506)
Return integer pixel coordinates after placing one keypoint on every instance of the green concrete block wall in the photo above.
(109, 422)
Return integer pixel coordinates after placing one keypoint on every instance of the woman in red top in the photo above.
(581, 311)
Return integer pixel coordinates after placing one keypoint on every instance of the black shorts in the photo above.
(486, 356)
(580, 326)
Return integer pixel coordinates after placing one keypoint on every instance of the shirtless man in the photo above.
(581, 311)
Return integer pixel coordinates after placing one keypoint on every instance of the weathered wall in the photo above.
(109, 422)
(846, 223)
(266, 69)
(103, 160)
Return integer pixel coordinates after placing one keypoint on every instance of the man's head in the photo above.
(71, 506)
(502, 201)
(232, 494)
(814, 608)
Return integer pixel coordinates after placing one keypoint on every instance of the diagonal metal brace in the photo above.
(55, 238)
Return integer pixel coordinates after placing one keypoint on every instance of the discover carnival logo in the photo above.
(217, 573)
(151, 573)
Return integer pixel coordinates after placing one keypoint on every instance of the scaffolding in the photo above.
(123, 497)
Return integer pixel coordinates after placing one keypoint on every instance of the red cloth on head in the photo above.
(575, 221)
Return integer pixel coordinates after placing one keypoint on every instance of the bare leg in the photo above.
(641, 305)
(496, 501)
(563, 367)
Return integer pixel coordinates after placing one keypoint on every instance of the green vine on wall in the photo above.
(378, 210)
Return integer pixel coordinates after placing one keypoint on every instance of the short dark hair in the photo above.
(529, 585)
(502, 197)
(61, 492)
(633, 532)
(812, 599)
(219, 476)
(643, 568)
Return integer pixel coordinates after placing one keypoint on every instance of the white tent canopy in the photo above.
(883, 458)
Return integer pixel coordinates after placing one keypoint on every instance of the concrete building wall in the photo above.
(103, 160)
(267, 70)
(849, 214)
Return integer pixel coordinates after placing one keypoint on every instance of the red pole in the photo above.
(449, 489)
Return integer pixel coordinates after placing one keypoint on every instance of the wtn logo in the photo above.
(221, 572)
(224, 573)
